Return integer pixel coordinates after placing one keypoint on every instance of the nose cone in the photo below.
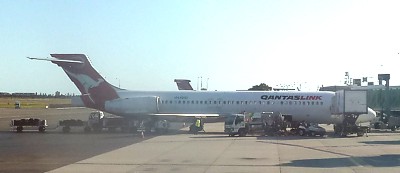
(363, 118)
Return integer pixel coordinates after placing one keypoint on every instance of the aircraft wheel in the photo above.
(19, 129)
(66, 129)
(87, 129)
(242, 132)
(302, 132)
(42, 129)
(313, 134)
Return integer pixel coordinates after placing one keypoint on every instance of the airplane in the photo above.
(98, 94)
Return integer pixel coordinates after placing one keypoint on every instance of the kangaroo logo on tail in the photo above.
(94, 89)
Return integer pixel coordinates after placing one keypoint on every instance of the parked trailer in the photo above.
(20, 124)
(67, 124)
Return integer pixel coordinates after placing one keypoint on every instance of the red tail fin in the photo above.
(94, 88)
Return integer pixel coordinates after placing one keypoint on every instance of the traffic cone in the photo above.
(142, 134)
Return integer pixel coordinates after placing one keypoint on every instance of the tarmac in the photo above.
(179, 151)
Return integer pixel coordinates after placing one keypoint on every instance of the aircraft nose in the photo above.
(371, 112)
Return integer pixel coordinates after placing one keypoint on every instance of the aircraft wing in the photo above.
(189, 115)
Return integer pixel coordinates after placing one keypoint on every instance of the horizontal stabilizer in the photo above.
(56, 60)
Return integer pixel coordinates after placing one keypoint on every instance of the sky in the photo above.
(230, 44)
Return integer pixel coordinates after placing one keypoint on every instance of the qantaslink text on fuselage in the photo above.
(283, 97)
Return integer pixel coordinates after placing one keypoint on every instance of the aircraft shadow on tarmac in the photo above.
(397, 142)
(389, 160)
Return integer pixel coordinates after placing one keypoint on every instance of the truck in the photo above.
(253, 123)
(350, 104)
(20, 124)
(97, 121)
(67, 124)
(384, 121)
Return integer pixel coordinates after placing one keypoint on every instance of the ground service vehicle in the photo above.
(67, 124)
(311, 130)
(257, 123)
(19, 124)
(97, 122)
(386, 122)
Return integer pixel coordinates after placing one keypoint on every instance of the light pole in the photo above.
(119, 82)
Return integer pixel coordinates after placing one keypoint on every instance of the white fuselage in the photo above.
(302, 106)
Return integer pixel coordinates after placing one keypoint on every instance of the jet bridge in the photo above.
(350, 104)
